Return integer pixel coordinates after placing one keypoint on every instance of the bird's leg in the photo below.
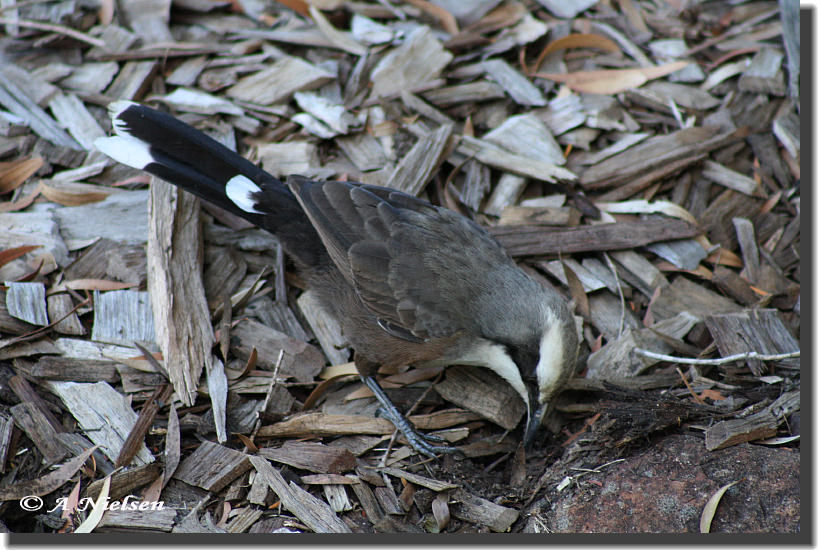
(419, 441)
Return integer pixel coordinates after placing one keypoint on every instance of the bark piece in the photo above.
(314, 457)
(497, 157)
(181, 317)
(30, 419)
(760, 425)
(133, 79)
(480, 511)
(759, 330)
(527, 135)
(764, 75)
(616, 358)
(484, 393)
(326, 328)
(212, 466)
(685, 295)
(526, 240)
(521, 90)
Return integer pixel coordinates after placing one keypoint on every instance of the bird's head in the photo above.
(530, 340)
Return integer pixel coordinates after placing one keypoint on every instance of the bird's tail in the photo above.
(179, 154)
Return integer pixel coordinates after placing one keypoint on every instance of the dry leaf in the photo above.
(95, 284)
(14, 173)
(299, 6)
(71, 502)
(47, 483)
(641, 206)
(247, 442)
(577, 292)
(440, 509)
(73, 194)
(154, 491)
(340, 39)
(11, 254)
(98, 509)
(446, 19)
(333, 371)
(173, 449)
(711, 394)
(106, 12)
(589, 40)
(21, 203)
(710, 508)
(612, 81)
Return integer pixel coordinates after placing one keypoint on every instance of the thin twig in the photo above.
(720, 360)
(59, 29)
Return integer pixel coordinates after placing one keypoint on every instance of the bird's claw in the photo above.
(419, 441)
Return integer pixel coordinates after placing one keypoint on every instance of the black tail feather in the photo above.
(179, 154)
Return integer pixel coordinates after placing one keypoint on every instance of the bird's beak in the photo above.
(536, 412)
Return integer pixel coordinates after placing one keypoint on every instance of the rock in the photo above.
(665, 488)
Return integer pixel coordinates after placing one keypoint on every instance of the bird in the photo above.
(411, 283)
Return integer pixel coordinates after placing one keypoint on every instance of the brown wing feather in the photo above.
(421, 269)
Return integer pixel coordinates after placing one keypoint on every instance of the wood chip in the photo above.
(764, 73)
(484, 393)
(315, 514)
(26, 301)
(104, 415)
(301, 361)
(528, 240)
(472, 508)
(279, 81)
(421, 162)
(122, 317)
(521, 90)
(212, 466)
(497, 157)
(420, 59)
(29, 418)
(314, 457)
(759, 330)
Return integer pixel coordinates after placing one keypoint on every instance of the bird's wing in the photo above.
(416, 266)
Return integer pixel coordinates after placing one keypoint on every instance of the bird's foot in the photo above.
(421, 442)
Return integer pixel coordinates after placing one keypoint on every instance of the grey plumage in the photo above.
(411, 283)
